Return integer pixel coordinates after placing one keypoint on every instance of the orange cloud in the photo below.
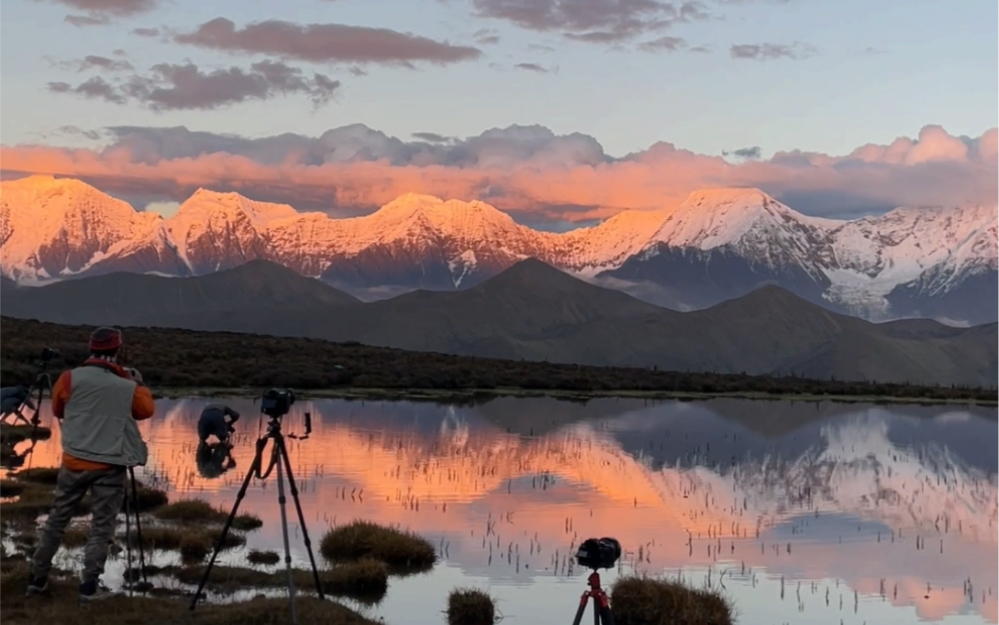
(525, 170)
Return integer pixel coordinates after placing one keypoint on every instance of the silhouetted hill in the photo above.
(535, 312)
(257, 288)
(186, 359)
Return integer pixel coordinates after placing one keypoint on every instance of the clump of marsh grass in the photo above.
(362, 539)
(647, 601)
(365, 580)
(470, 606)
(262, 557)
(201, 512)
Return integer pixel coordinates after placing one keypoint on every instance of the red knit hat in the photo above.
(105, 339)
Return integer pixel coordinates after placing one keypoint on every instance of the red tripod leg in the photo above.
(582, 608)
(602, 607)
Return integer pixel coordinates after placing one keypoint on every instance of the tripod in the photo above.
(279, 458)
(601, 603)
(132, 509)
(33, 400)
(36, 393)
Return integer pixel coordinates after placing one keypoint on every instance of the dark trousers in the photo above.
(212, 422)
(107, 488)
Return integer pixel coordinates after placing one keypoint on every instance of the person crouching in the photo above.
(217, 420)
(98, 405)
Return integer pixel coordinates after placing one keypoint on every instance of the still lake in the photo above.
(800, 512)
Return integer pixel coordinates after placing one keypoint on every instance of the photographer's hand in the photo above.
(134, 374)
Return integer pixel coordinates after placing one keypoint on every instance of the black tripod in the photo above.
(601, 603)
(132, 509)
(36, 394)
(33, 400)
(279, 458)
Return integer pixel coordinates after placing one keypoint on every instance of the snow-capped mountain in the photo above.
(717, 245)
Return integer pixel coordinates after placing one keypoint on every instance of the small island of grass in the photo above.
(647, 601)
(362, 539)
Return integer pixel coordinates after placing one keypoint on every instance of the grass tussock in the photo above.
(262, 557)
(246, 522)
(469, 606)
(648, 601)
(190, 511)
(59, 605)
(199, 511)
(366, 580)
(193, 545)
(148, 499)
(361, 539)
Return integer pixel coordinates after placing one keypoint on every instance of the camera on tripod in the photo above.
(275, 403)
(48, 354)
(598, 553)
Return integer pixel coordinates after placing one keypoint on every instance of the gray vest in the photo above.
(98, 423)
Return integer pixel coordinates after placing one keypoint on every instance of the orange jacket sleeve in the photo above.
(142, 403)
(60, 393)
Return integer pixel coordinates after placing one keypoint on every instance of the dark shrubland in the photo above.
(173, 358)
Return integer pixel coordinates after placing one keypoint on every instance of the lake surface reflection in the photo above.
(800, 512)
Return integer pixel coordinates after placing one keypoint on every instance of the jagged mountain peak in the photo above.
(42, 182)
(416, 215)
(719, 217)
(413, 203)
(726, 194)
(205, 203)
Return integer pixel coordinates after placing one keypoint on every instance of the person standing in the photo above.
(98, 405)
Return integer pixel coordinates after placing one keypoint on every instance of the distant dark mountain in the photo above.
(697, 279)
(536, 312)
(256, 289)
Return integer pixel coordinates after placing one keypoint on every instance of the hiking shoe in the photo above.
(36, 586)
(94, 591)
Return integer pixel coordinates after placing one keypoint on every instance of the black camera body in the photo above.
(598, 553)
(275, 403)
(48, 354)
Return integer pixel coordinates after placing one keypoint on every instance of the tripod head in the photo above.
(275, 403)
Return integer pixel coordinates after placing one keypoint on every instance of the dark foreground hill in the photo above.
(185, 359)
(535, 312)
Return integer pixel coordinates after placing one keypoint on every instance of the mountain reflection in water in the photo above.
(806, 513)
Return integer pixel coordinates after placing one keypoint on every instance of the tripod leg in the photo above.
(284, 532)
(138, 523)
(128, 542)
(601, 606)
(228, 522)
(582, 608)
(606, 616)
(301, 515)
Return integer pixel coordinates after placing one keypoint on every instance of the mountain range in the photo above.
(535, 312)
(718, 245)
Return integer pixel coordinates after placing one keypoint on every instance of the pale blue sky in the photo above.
(881, 69)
